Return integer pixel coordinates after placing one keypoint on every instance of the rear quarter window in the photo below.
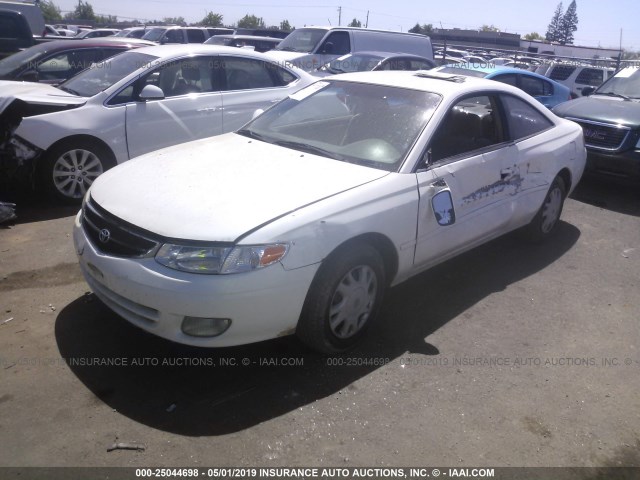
(523, 119)
(561, 72)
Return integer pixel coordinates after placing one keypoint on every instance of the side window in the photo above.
(247, 73)
(508, 78)
(472, 124)
(561, 72)
(195, 36)
(592, 77)
(337, 43)
(173, 36)
(523, 119)
(536, 87)
(182, 77)
(67, 64)
(108, 52)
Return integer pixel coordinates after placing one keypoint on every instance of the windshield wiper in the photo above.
(613, 94)
(245, 132)
(308, 148)
(69, 90)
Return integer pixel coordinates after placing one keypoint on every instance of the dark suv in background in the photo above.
(610, 119)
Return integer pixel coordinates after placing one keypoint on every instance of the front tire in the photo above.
(546, 220)
(343, 300)
(70, 168)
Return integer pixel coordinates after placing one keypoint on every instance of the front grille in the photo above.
(114, 236)
(601, 136)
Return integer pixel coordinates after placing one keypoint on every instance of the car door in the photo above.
(468, 181)
(250, 85)
(191, 108)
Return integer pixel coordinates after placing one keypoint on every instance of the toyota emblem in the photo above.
(105, 235)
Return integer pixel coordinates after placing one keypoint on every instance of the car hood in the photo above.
(36, 94)
(219, 189)
(601, 109)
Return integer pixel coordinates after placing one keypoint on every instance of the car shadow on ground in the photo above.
(230, 389)
(609, 193)
(36, 207)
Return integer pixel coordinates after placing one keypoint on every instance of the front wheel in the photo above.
(545, 221)
(343, 300)
(70, 169)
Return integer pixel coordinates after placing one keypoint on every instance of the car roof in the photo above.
(249, 37)
(491, 71)
(426, 80)
(381, 54)
(180, 49)
(55, 45)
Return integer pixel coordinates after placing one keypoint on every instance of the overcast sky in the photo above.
(600, 22)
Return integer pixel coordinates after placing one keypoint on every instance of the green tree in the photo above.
(285, 26)
(106, 19)
(425, 29)
(568, 24)
(489, 28)
(83, 11)
(533, 36)
(212, 20)
(355, 23)
(175, 21)
(251, 21)
(50, 11)
(553, 29)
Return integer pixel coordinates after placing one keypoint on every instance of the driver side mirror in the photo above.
(151, 92)
(586, 91)
(442, 204)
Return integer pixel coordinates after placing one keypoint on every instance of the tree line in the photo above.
(84, 11)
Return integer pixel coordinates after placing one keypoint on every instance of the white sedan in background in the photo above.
(132, 104)
(299, 221)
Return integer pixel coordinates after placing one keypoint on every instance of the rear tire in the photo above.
(343, 300)
(70, 168)
(544, 223)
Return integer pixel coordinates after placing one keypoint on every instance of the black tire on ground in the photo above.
(343, 300)
(544, 223)
(68, 169)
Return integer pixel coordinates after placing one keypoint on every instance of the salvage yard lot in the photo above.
(509, 355)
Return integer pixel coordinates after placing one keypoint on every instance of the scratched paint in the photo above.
(513, 182)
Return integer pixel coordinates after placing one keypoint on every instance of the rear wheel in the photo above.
(343, 300)
(70, 169)
(545, 221)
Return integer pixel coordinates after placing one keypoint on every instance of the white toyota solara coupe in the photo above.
(299, 221)
(132, 104)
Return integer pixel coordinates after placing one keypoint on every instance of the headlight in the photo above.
(220, 260)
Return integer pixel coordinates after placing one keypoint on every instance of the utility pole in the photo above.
(366, 24)
(339, 16)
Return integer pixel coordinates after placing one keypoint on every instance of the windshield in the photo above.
(626, 83)
(154, 35)
(353, 63)
(369, 125)
(302, 40)
(102, 75)
(22, 59)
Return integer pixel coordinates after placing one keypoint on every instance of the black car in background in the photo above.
(610, 120)
(56, 61)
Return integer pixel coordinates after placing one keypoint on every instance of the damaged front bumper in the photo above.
(18, 161)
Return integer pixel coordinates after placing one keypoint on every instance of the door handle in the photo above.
(207, 110)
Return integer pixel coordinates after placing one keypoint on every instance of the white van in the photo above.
(311, 47)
